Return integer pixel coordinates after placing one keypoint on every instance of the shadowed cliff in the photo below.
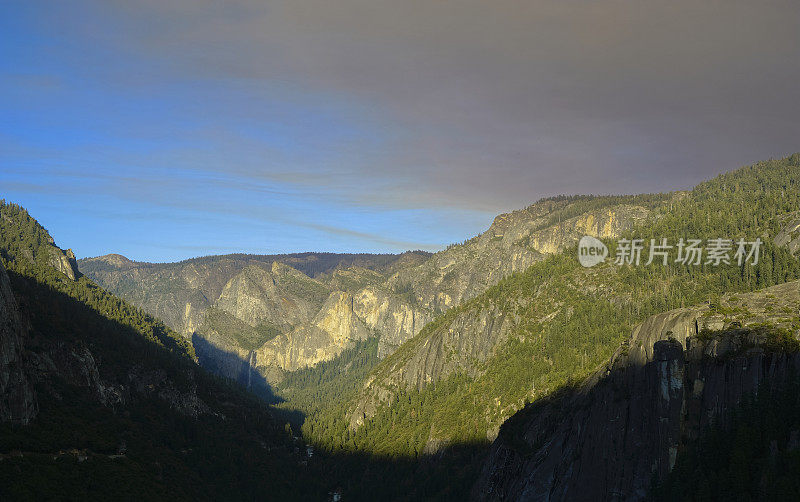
(615, 435)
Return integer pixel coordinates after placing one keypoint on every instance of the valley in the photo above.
(439, 360)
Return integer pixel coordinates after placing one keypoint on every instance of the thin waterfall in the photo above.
(250, 367)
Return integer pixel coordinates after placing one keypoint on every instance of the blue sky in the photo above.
(169, 129)
(112, 155)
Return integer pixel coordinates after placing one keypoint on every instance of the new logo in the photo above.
(591, 251)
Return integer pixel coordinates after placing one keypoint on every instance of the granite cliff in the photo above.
(468, 336)
(611, 436)
(249, 317)
(512, 243)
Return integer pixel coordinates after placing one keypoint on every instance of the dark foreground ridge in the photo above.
(620, 433)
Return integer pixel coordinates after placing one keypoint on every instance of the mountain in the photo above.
(247, 314)
(420, 374)
(483, 360)
(514, 242)
(179, 293)
(23, 236)
(100, 400)
(267, 318)
(445, 393)
(621, 429)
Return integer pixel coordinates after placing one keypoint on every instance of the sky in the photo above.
(167, 129)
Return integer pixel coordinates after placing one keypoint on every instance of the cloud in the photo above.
(375, 238)
(189, 199)
(492, 105)
(380, 105)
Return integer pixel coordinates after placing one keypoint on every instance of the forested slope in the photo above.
(554, 323)
(115, 405)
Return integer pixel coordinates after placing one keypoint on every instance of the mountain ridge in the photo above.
(679, 372)
(397, 301)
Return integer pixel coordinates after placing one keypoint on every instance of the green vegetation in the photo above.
(569, 320)
(24, 251)
(770, 337)
(174, 433)
(575, 205)
(312, 264)
(351, 279)
(22, 236)
(243, 335)
(312, 389)
(563, 321)
(300, 285)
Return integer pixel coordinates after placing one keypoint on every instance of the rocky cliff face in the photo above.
(789, 235)
(513, 243)
(461, 345)
(395, 308)
(277, 295)
(387, 314)
(272, 312)
(333, 330)
(63, 261)
(612, 436)
(180, 293)
(458, 346)
(17, 398)
(307, 323)
(398, 308)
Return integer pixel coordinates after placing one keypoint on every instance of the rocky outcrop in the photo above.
(227, 349)
(277, 295)
(177, 293)
(513, 243)
(17, 398)
(333, 330)
(458, 346)
(180, 293)
(394, 301)
(385, 313)
(616, 433)
(789, 235)
(336, 327)
(63, 261)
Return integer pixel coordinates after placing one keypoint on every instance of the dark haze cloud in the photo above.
(487, 105)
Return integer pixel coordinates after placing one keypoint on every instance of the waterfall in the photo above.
(250, 367)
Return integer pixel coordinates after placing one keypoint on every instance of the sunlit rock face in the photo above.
(251, 317)
(514, 242)
(622, 428)
(279, 295)
(334, 329)
(64, 262)
(386, 313)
